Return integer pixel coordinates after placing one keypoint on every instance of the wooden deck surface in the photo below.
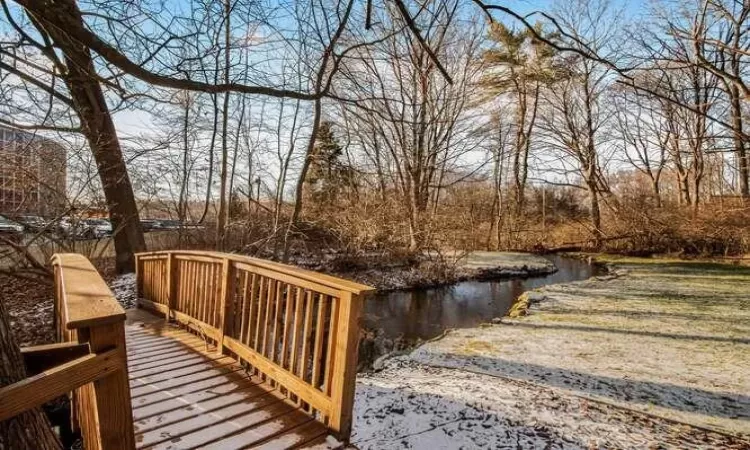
(187, 396)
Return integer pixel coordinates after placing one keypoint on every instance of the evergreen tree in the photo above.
(322, 181)
(518, 65)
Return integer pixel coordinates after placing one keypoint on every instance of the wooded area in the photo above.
(362, 126)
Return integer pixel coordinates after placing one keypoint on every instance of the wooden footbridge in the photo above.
(224, 352)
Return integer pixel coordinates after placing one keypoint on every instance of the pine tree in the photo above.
(322, 181)
(518, 65)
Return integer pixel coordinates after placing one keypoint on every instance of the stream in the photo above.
(398, 320)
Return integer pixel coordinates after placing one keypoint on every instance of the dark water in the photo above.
(411, 316)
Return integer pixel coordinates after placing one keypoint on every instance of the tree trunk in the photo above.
(684, 185)
(657, 192)
(520, 155)
(99, 130)
(299, 188)
(596, 218)
(211, 147)
(743, 165)
(30, 430)
(182, 203)
(418, 202)
(221, 222)
(696, 193)
(491, 232)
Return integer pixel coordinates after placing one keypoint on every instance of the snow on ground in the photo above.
(123, 287)
(29, 306)
(652, 359)
(510, 262)
(429, 269)
(412, 405)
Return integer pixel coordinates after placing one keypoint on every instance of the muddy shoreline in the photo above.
(389, 273)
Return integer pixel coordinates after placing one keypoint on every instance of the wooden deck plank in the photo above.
(237, 402)
(210, 376)
(192, 360)
(295, 437)
(203, 431)
(191, 384)
(187, 370)
(163, 402)
(158, 344)
(325, 442)
(187, 396)
(251, 434)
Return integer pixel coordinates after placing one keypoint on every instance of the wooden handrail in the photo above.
(297, 329)
(88, 301)
(303, 274)
(48, 385)
(86, 312)
(89, 361)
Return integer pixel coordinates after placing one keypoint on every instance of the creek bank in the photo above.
(389, 272)
(654, 356)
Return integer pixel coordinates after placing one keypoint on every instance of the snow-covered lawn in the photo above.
(658, 358)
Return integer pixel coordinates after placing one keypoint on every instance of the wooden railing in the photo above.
(297, 330)
(89, 361)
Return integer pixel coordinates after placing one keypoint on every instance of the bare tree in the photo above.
(407, 107)
(644, 136)
(578, 112)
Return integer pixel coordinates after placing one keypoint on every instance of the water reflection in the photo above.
(425, 313)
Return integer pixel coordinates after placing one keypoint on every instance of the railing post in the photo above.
(345, 364)
(105, 411)
(226, 304)
(138, 278)
(171, 285)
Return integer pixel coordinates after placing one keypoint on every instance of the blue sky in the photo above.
(633, 8)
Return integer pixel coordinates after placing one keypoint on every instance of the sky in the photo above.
(133, 123)
(138, 123)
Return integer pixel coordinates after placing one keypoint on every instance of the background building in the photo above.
(32, 174)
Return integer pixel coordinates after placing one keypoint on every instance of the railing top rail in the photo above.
(87, 299)
(308, 275)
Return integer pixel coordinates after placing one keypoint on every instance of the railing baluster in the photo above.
(226, 302)
(252, 307)
(259, 316)
(271, 284)
(331, 349)
(276, 312)
(202, 281)
(180, 285)
(195, 295)
(287, 325)
(297, 330)
(170, 294)
(245, 301)
(306, 335)
(318, 349)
